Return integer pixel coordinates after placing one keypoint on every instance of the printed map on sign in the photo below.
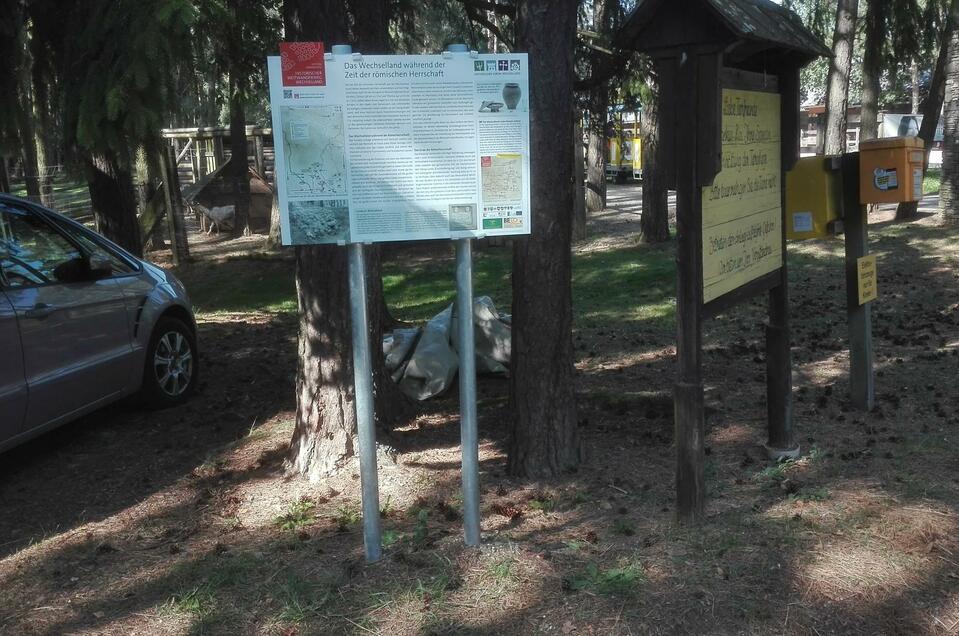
(742, 210)
(314, 150)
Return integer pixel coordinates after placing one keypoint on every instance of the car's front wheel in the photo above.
(171, 367)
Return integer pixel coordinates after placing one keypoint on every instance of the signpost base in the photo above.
(467, 379)
(363, 383)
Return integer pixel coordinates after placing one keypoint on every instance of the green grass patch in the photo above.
(625, 579)
(627, 285)
(298, 598)
(298, 515)
(240, 285)
(932, 181)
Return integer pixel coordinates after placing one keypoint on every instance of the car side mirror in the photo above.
(99, 266)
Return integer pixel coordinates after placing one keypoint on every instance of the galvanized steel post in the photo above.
(467, 375)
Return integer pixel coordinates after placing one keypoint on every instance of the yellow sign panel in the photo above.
(867, 278)
(742, 210)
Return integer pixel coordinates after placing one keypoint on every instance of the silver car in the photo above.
(83, 323)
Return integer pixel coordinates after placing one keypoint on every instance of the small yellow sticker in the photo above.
(867, 279)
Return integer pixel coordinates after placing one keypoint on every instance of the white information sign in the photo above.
(403, 147)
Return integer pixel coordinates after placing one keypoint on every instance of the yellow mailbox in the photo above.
(812, 199)
(890, 170)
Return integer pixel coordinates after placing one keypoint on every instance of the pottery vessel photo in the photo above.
(511, 95)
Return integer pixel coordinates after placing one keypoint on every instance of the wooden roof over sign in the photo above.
(760, 25)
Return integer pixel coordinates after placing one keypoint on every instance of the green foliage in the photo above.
(346, 517)
(298, 515)
(624, 527)
(299, 599)
(622, 580)
(421, 530)
(117, 70)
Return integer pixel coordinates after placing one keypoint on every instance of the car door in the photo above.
(73, 329)
(13, 384)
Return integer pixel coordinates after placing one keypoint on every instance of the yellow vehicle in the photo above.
(624, 157)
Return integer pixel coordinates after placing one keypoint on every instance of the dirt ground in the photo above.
(185, 522)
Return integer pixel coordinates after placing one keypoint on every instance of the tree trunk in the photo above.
(596, 161)
(914, 74)
(543, 440)
(949, 193)
(579, 189)
(324, 438)
(598, 111)
(28, 152)
(113, 201)
(932, 106)
(239, 167)
(4, 175)
(274, 240)
(871, 71)
(837, 86)
(325, 434)
(654, 222)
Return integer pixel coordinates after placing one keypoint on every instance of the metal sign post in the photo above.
(363, 390)
(468, 425)
(469, 432)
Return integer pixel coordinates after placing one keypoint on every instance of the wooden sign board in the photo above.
(866, 267)
(742, 211)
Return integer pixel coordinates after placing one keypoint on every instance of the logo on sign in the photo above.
(303, 63)
(885, 179)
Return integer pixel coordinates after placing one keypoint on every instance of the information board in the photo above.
(866, 268)
(742, 209)
(403, 147)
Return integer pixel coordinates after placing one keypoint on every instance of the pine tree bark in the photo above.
(949, 192)
(4, 175)
(543, 440)
(113, 201)
(596, 152)
(871, 71)
(837, 87)
(654, 222)
(324, 437)
(598, 111)
(28, 150)
(239, 167)
(274, 239)
(932, 106)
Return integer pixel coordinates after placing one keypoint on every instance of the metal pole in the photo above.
(467, 373)
(469, 434)
(363, 387)
(862, 386)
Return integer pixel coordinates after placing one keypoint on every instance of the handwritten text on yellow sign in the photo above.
(742, 209)
(867, 279)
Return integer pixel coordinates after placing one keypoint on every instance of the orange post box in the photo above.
(890, 170)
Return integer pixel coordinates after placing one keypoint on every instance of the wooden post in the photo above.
(855, 227)
(164, 162)
(217, 152)
(258, 152)
(179, 247)
(689, 75)
(195, 160)
(781, 442)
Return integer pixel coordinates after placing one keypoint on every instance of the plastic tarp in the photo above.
(425, 361)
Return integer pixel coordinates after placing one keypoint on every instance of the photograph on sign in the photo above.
(402, 147)
(742, 209)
